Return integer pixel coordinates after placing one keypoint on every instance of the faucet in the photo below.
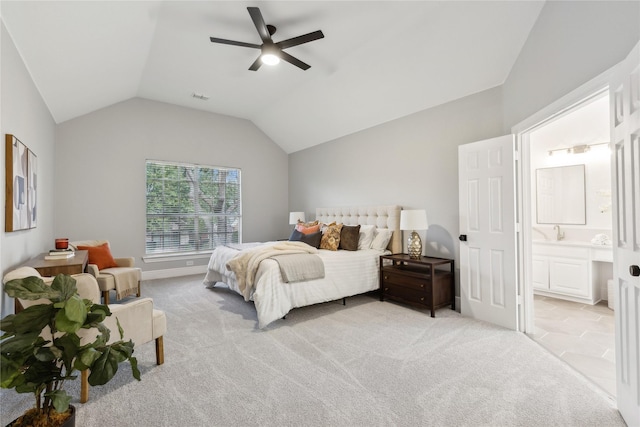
(559, 234)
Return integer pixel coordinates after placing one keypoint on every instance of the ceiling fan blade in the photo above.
(258, 21)
(256, 64)
(295, 61)
(295, 41)
(234, 43)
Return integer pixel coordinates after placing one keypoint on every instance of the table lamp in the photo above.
(294, 217)
(414, 220)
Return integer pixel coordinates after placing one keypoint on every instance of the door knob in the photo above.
(462, 237)
(634, 270)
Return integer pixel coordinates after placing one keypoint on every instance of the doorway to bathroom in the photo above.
(569, 253)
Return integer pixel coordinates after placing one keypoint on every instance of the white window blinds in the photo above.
(191, 208)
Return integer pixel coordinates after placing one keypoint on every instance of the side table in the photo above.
(417, 281)
(49, 268)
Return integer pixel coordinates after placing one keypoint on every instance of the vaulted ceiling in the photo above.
(378, 61)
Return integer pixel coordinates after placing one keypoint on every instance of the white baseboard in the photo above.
(173, 272)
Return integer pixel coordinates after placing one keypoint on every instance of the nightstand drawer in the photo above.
(393, 277)
(409, 295)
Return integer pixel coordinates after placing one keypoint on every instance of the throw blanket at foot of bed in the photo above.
(246, 263)
(300, 267)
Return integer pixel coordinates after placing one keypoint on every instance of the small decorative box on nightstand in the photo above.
(417, 281)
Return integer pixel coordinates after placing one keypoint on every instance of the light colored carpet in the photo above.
(368, 363)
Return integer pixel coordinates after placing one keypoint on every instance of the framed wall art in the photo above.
(21, 184)
(32, 205)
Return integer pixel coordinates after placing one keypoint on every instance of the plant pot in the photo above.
(69, 422)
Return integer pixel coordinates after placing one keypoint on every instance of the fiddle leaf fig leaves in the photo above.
(66, 285)
(30, 288)
(31, 319)
(72, 315)
(31, 363)
(60, 400)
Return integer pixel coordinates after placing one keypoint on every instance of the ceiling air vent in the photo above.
(200, 96)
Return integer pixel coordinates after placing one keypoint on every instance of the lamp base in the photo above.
(415, 246)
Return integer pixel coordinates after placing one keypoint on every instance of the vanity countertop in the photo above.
(578, 243)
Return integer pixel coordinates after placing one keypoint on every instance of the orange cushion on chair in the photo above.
(100, 256)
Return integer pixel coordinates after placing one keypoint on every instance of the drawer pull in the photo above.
(386, 277)
(421, 298)
(386, 289)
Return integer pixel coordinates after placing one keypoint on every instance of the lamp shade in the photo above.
(294, 217)
(413, 220)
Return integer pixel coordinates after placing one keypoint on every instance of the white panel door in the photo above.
(625, 143)
(486, 179)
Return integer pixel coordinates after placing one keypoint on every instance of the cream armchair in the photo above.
(121, 278)
(139, 320)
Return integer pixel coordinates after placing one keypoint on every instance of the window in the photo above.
(191, 208)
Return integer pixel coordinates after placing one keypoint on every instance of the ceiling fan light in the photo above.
(270, 59)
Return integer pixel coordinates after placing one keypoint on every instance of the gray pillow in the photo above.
(312, 239)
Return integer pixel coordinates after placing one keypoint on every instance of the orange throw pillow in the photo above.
(100, 256)
(308, 229)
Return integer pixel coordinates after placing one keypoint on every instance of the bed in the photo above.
(346, 273)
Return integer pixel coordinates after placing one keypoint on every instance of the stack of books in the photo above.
(57, 254)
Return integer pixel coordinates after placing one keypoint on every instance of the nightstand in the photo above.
(421, 282)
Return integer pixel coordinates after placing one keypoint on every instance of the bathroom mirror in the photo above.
(560, 195)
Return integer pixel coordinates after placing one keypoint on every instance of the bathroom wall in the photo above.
(587, 125)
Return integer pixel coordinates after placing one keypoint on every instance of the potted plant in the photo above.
(41, 347)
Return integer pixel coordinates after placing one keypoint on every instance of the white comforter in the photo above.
(347, 273)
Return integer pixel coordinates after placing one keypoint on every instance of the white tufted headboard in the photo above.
(380, 216)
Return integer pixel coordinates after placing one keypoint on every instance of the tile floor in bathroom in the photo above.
(582, 335)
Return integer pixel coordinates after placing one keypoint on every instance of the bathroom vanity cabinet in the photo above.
(568, 270)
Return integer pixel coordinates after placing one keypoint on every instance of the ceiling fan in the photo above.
(272, 52)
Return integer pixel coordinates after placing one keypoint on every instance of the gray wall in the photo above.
(411, 162)
(571, 43)
(25, 115)
(100, 171)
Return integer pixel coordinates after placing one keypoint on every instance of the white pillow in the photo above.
(367, 232)
(380, 242)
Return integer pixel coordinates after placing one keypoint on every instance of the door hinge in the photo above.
(516, 155)
(518, 227)
(520, 300)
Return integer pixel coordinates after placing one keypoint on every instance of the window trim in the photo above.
(177, 256)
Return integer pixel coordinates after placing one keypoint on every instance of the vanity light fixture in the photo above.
(576, 149)
(560, 150)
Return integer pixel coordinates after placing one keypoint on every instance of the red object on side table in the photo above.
(62, 243)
